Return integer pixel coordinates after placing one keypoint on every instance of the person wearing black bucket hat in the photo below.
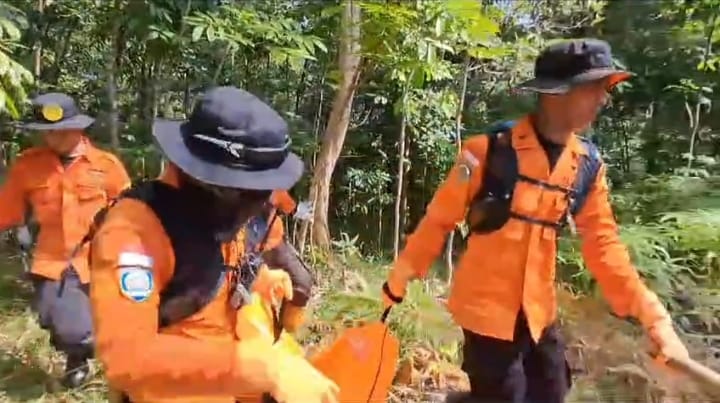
(517, 187)
(60, 186)
(166, 284)
(568, 64)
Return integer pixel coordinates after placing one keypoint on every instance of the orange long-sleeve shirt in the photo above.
(190, 361)
(63, 200)
(514, 267)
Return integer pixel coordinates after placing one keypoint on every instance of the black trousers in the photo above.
(518, 371)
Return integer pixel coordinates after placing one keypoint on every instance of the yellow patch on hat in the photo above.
(52, 112)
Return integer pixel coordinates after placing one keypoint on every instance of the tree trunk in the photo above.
(300, 242)
(400, 176)
(37, 52)
(113, 66)
(338, 122)
(450, 266)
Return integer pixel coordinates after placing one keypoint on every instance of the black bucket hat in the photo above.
(565, 64)
(55, 111)
(232, 139)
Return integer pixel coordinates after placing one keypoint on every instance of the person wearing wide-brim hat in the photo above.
(518, 185)
(60, 186)
(564, 66)
(166, 283)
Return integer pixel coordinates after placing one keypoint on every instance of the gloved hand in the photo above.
(304, 211)
(260, 368)
(666, 342)
(299, 382)
(273, 285)
(395, 287)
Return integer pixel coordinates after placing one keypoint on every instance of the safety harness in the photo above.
(490, 209)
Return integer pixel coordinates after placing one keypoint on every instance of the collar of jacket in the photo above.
(525, 137)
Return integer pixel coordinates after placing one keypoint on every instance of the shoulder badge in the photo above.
(135, 277)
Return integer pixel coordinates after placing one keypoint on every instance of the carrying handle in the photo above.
(386, 312)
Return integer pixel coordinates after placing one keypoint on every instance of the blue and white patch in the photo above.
(136, 283)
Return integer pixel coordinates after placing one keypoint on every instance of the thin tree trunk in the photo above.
(186, 96)
(113, 66)
(305, 226)
(338, 122)
(37, 52)
(400, 175)
(458, 141)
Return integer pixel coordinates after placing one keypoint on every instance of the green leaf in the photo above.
(197, 33)
(210, 33)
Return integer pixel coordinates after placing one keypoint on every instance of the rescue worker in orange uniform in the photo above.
(503, 292)
(61, 185)
(266, 232)
(165, 289)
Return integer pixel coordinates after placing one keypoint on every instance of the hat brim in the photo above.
(76, 122)
(557, 87)
(168, 135)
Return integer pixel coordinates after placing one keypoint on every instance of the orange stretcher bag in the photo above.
(362, 362)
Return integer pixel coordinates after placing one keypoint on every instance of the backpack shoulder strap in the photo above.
(590, 165)
(501, 161)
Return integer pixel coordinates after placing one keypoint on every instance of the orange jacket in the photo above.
(514, 267)
(62, 200)
(193, 357)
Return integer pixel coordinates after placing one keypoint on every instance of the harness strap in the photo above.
(544, 185)
(532, 220)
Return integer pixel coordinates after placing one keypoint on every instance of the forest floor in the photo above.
(607, 355)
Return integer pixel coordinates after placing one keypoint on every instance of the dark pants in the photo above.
(520, 371)
(63, 309)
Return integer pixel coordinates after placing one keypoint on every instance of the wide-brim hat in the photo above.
(55, 111)
(232, 139)
(566, 64)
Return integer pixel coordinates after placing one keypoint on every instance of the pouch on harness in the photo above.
(491, 209)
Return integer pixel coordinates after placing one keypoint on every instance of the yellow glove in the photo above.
(666, 342)
(261, 368)
(273, 285)
(395, 287)
(298, 381)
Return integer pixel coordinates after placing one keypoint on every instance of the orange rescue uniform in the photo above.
(513, 268)
(194, 357)
(63, 200)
